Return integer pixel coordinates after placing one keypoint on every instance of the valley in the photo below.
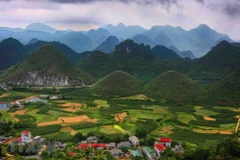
(78, 112)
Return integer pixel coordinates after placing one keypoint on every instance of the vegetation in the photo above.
(174, 87)
(117, 83)
(48, 60)
(227, 90)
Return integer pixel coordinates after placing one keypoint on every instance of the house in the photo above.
(165, 141)
(60, 145)
(134, 140)
(26, 137)
(159, 148)
(136, 153)
(55, 97)
(101, 146)
(35, 100)
(82, 146)
(44, 96)
(125, 144)
(116, 152)
(110, 146)
(92, 139)
(148, 152)
(70, 154)
(3, 106)
(4, 139)
(178, 149)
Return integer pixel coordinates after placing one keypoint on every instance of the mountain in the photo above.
(11, 52)
(164, 53)
(137, 60)
(109, 45)
(140, 38)
(113, 29)
(117, 83)
(223, 58)
(97, 64)
(77, 41)
(123, 32)
(129, 48)
(98, 36)
(68, 52)
(203, 38)
(33, 41)
(183, 54)
(40, 27)
(25, 36)
(47, 66)
(227, 91)
(11, 29)
(162, 39)
(173, 86)
(198, 40)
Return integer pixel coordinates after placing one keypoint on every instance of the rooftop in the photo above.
(160, 147)
(165, 139)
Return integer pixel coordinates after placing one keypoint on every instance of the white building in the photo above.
(26, 137)
(165, 141)
(134, 140)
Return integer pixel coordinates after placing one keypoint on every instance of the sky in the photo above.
(221, 15)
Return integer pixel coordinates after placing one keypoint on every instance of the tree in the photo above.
(141, 133)
(196, 154)
(228, 149)
(169, 154)
(79, 137)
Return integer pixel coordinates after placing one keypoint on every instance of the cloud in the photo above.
(230, 8)
(142, 2)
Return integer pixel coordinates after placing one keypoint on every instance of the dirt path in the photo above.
(4, 95)
(209, 118)
(119, 117)
(18, 112)
(238, 123)
(68, 129)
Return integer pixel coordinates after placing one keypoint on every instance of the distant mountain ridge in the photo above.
(199, 40)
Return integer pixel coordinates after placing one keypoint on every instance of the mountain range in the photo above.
(12, 51)
(197, 41)
(148, 70)
(47, 66)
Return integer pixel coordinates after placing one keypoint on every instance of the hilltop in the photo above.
(47, 66)
(223, 59)
(228, 89)
(117, 83)
(11, 52)
(173, 86)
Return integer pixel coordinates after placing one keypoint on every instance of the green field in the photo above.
(183, 123)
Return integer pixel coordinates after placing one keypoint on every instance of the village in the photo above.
(125, 150)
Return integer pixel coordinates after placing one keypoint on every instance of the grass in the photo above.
(45, 130)
(6, 116)
(204, 112)
(102, 103)
(60, 136)
(185, 117)
(176, 121)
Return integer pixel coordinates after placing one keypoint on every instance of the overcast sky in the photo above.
(221, 15)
